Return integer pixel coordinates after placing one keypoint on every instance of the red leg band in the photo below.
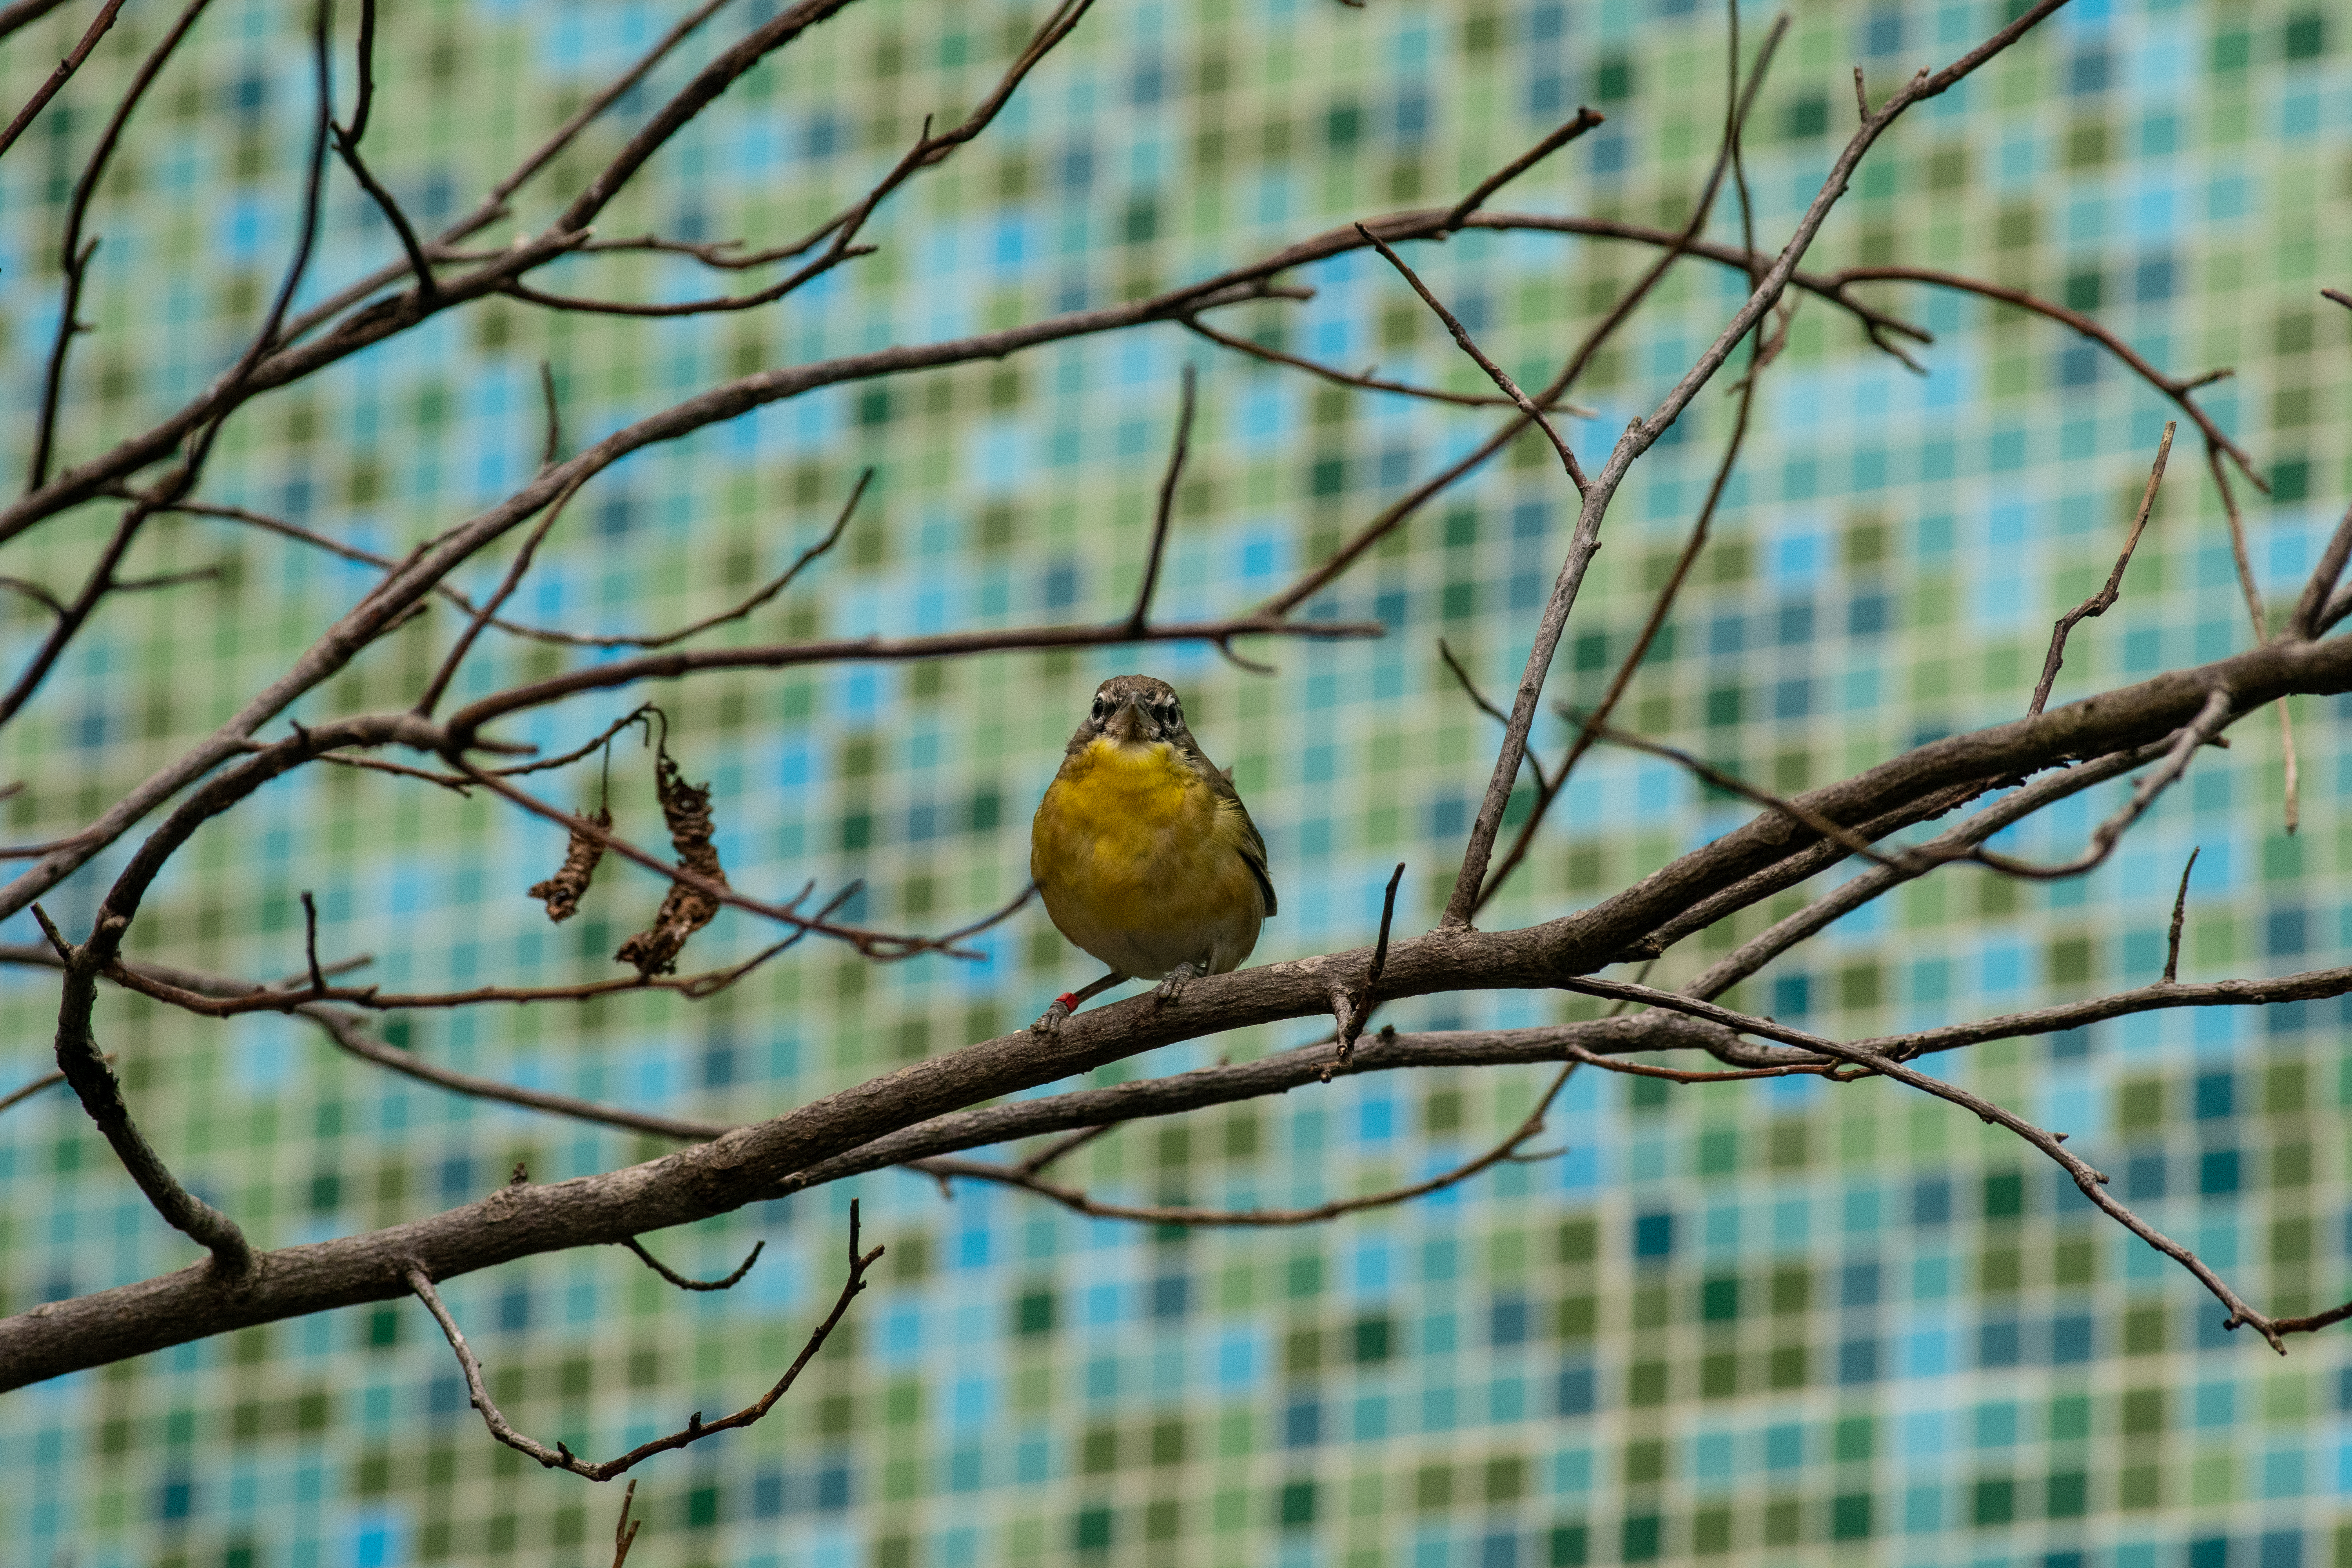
(1066, 1000)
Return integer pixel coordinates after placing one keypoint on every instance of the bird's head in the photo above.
(1135, 710)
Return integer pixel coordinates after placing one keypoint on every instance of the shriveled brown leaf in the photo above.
(562, 891)
(685, 910)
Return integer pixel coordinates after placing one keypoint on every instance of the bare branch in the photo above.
(346, 148)
(1463, 340)
(430, 698)
(60, 77)
(1018, 1176)
(1659, 609)
(681, 1281)
(2180, 911)
(2090, 1182)
(774, 586)
(85, 1068)
(1368, 380)
(2177, 388)
(2308, 619)
(23, 14)
(1852, 894)
(2217, 711)
(1141, 616)
(18, 1096)
(561, 1456)
(2261, 621)
(1852, 842)
(1355, 1005)
(624, 1529)
(1484, 190)
(2100, 602)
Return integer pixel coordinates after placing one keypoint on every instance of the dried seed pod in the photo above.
(562, 890)
(685, 910)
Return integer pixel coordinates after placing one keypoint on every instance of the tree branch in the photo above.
(2100, 602)
(561, 1456)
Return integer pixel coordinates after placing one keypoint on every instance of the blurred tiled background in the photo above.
(1786, 1322)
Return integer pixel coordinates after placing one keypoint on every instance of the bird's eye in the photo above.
(1099, 706)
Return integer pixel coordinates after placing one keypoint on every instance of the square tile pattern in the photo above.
(1789, 1323)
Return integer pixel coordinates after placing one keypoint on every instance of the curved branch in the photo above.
(1074, 1198)
(561, 1456)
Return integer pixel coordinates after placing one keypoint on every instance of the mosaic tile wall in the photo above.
(1784, 1323)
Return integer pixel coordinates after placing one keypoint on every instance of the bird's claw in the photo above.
(1050, 1021)
(1173, 987)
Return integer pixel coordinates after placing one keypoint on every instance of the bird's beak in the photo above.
(1126, 726)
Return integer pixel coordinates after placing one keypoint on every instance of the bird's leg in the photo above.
(1173, 986)
(1068, 1002)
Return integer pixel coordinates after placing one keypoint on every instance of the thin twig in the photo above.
(1484, 190)
(2089, 1180)
(944, 1170)
(2100, 602)
(1659, 608)
(2179, 913)
(18, 1096)
(1675, 245)
(1141, 616)
(2218, 710)
(1853, 842)
(561, 1456)
(63, 74)
(1501, 377)
(431, 697)
(760, 596)
(1856, 891)
(553, 447)
(680, 1280)
(1356, 1010)
(346, 148)
(2255, 614)
(310, 944)
(624, 1529)
(1368, 380)
(2177, 388)
(1585, 539)
(2306, 621)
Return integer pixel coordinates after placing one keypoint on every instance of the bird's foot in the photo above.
(1050, 1021)
(1173, 987)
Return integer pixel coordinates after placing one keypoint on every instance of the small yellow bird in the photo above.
(1145, 854)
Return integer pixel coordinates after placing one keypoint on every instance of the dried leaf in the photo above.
(687, 910)
(562, 891)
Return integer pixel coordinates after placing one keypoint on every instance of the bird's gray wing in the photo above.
(1253, 845)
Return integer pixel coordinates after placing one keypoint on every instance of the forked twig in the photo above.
(1527, 406)
(561, 1456)
(624, 1529)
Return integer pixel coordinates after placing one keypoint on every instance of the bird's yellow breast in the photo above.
(1132, 850)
